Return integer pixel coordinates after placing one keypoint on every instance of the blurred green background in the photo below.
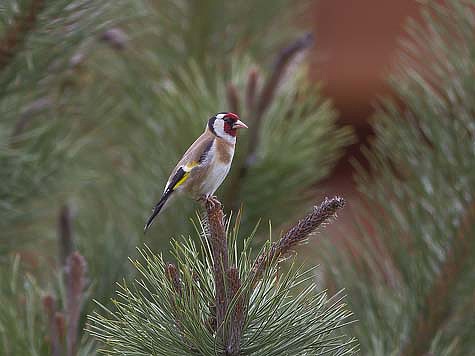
(372, 100)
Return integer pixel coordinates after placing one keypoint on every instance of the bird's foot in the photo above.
(212, 202)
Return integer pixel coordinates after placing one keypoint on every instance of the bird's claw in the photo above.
(212, 202)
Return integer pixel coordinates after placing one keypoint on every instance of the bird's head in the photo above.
(225, 125)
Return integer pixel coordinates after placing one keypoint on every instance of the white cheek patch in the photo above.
(220, 116)
(219, 127)
(219, 130)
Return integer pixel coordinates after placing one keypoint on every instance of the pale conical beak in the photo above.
(239, 125)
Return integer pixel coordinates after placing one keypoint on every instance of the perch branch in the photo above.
(237, 316)
(217, 236)
(227, 283)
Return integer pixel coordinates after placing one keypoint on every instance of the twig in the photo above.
(50, 306)
(29, 113)
(237, 316)
(251, 90)
(283, 59)
(268, 91)
(65, 234)
(60, 323)
(172, 275)
(297, 234)
(227, 283)
(436, 305)
(115, 37)
(17, 32)
(217, 236)
(233, 98)
(257, 104)
(75, 284)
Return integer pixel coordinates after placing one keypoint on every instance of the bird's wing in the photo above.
(196, 156)
(180, 176)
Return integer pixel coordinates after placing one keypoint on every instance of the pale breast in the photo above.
(219, 167)
(206, 178)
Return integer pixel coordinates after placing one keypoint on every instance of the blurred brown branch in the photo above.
(17, 32)
(75, 284)
(257, 103)
(251, 89)
(30, 112)
(64, 325)
(267, 93)
(67, 328)
(115, 37)
(233, 97)
(282, 61)
(49, 303)
(65, 234)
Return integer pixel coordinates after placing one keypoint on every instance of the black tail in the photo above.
(157, 208)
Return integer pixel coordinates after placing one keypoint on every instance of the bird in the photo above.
(205, 164)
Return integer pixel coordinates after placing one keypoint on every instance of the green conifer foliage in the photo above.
(218, 301)
(410, 272)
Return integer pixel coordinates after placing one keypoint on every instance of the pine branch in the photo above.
(51, 311)
(116, 38)
(28, 114)
(257, 103)
(268, 91)
(251, 90)
(282, 61)
(75, 285)
(297, 234)
(217, 237)
(248, 318)
(174, 278)
(65, 235)
(233, 98)
(237, 317)
(436, 306)
(17, 32)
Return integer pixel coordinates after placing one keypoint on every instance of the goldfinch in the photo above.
(205, 165)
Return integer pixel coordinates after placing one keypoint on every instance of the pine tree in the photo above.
(409, 273)
(99, 99)
(217, 301)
